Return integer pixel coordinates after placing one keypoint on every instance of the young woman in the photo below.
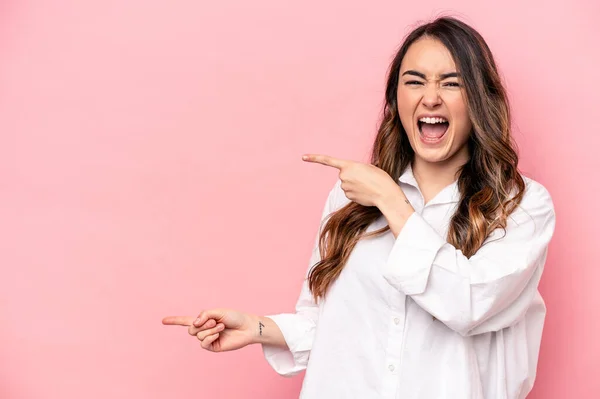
(423, 279)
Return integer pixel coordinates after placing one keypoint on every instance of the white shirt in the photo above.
(413, 318)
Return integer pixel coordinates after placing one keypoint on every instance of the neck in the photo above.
(432, 176)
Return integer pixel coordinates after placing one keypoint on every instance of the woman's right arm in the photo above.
(222, 330)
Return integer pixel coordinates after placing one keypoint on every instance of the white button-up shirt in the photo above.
(412, 317)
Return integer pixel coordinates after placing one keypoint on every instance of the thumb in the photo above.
(203, 317)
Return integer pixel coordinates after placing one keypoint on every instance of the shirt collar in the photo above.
(449, 194)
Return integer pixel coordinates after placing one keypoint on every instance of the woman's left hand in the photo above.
(362, 183)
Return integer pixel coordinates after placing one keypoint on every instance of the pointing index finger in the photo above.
(178, 320)
(324, 160)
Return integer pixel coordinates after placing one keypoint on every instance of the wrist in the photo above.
(253, 328)
(258, 334)
(396, 208)
(393, 200)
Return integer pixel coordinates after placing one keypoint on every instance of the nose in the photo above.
(431, 96)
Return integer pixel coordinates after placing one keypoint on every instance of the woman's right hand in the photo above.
(219, 330)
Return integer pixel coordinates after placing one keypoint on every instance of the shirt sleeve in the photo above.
(298, 328)
(489, 291)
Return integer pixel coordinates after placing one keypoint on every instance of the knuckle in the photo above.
(206, 333)
(206, 342)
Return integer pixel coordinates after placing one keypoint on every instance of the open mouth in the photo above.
(433, 129)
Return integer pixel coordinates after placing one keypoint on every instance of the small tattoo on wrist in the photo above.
(260, 326)
(405, 200)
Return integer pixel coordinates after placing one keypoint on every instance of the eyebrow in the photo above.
(442, 76)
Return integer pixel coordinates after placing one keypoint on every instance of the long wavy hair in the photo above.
(490, 184)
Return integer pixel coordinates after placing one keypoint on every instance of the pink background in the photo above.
(150, 166)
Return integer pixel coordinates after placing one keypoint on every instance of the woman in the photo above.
(423, 279)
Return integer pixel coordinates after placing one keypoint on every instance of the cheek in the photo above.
(406, 108)
(461, 117)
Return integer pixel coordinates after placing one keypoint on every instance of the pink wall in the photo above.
(150, 165)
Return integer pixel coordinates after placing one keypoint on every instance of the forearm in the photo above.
(489, 290)
(265, 331)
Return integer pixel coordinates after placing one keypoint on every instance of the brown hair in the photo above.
(485, 182)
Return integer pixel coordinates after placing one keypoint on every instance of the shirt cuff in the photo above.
(289, 362)
(409, 262)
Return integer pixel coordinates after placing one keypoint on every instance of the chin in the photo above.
(432, 158)
(434, 154)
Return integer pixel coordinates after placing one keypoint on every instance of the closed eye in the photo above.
(416, 83)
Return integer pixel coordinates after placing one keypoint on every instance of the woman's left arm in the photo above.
(490, 290)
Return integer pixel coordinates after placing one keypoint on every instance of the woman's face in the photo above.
(432, 104)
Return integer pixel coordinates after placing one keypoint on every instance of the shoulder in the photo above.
(536, 196)
(536, 205)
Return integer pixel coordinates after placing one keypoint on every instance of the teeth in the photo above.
(433, 120)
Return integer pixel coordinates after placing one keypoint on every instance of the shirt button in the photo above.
(397, 320)
(391, 367)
